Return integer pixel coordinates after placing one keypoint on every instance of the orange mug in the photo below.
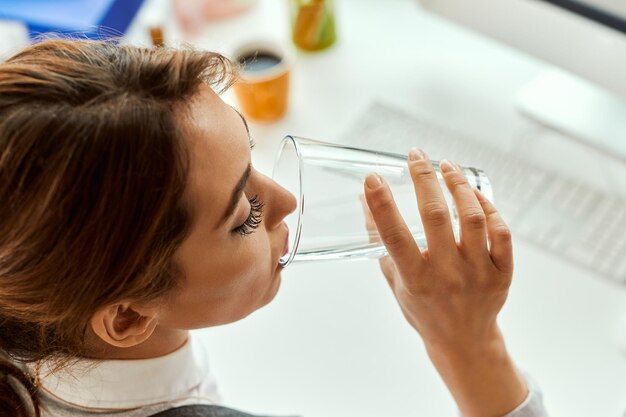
(262, 88)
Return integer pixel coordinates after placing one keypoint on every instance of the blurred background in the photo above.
(530, 91)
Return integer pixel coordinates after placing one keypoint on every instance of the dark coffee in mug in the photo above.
(262, 88)
(258, 61)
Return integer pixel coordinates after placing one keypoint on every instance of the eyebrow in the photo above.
(245, 123)
(236, 195)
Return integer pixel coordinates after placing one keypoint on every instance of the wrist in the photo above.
(463, 351)
(481, 376)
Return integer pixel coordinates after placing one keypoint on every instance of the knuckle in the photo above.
(495, 285)
(475, 219)
(435, 214)
(502, 233)
(394, 236)
(421, 171)
(415, 288)
(457, 180)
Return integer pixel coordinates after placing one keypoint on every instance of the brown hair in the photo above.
(92, 176)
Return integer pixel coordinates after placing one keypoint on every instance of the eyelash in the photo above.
(254, 218)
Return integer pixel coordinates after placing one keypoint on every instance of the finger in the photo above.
(369, 221)
(431, 203)
(386, 263)
(391, 227)
(389, 271)
(472, 219)
(388, 267)
(500, 240)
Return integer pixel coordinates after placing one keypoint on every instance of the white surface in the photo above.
(581, 45)
(334, 343)
(577, 107)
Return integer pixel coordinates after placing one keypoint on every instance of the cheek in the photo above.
(252, 268)
(224, 286)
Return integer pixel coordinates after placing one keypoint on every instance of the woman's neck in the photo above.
(162, 342)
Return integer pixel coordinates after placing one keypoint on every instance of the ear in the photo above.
(124, 324)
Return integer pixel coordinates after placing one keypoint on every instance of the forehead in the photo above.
(218, 153)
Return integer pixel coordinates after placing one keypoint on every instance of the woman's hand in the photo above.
(452, 292)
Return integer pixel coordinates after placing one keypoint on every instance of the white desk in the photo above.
(333, 343)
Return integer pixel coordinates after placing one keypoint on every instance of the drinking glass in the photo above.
(332, 220)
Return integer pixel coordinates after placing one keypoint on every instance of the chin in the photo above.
(267, 298)
(270, 293)
(273, 288)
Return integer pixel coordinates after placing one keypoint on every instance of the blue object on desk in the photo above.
(96, 19)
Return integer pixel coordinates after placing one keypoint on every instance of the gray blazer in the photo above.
(203, 411)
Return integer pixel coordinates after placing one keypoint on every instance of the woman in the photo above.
(130, 213)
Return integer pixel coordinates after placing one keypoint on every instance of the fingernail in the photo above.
(447, 166)
(416, 154)
(373, 181)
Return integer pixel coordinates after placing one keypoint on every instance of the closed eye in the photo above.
(254, 219)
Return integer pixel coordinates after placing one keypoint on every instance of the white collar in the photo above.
(126, 384)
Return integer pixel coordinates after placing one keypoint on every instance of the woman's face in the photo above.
(230, 267)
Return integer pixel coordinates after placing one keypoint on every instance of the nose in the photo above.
(280, 203)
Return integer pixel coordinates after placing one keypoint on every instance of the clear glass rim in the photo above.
(286, 141)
